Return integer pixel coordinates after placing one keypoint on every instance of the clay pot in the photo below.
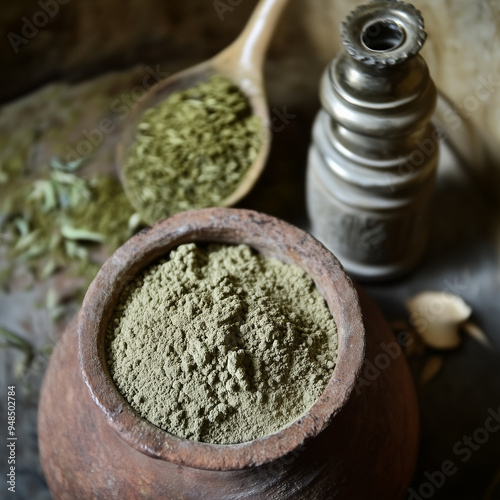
(358, 441)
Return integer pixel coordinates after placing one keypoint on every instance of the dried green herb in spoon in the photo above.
(193, 150)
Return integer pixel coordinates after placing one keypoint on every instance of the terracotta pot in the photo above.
(358, 441)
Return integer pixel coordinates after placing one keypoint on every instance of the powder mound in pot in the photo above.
(220, 344)
(192, 150)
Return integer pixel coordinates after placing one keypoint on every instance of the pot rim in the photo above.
(268, 235)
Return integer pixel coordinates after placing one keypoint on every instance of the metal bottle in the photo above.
(374, 152)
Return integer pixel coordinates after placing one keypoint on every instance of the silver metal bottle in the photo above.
(374, 152)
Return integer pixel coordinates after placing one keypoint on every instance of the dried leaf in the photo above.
(134, 222)
(35, 251)
(50, 197)
(71, 166)
(24, 242)
(15, 340)
(72, 233)
(52, 298)
(22, 226)
(34, 209)
(70, 247)
(49, 268)
(81, 253)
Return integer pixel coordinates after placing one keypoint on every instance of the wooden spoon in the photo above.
(242, 63)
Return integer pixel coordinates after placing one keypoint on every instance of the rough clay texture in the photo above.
(221, 345)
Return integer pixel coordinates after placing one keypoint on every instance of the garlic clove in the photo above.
(437, 317)
(441, 336)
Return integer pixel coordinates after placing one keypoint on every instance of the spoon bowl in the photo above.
(242, 63)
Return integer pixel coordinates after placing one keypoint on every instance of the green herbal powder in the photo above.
(192, 150)
(221, 345)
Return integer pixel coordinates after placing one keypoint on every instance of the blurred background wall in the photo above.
(46, 40)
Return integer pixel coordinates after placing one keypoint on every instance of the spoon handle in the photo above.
(249, 49)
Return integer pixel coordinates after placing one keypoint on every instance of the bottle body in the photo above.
(376, 232)
(373, 157)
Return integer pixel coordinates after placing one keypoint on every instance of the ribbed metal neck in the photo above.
(383, 33)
